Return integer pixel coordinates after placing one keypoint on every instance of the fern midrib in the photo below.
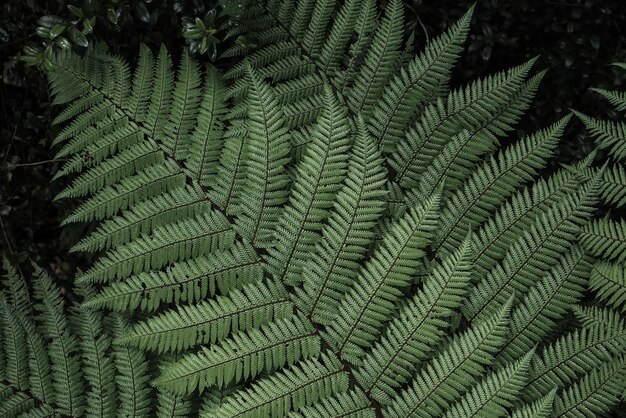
(61, 343)
(266, 174)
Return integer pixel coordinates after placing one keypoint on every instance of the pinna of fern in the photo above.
(247, 234)
(605, 237)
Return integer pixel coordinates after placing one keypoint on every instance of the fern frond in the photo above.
(595, 393)
(186, 98)
(210, 321)
(63, 347)
(452, 371)
(187, 281)
(547, 302)
(132, 376)
(206, 140)
(413, 334)
(501, 230)
(379, 63)
(609, 283)
(604, 238)
(608, 134)
(161, 99)
(172, 406)
(614, 185)
(243, 356)
(494, 394)
(114, 169)
(319, 176)
(541, 408)
(15, 289)
(97, 144)
(359, 203)
(144, 217)
(381, 280)
(16, 356)
(141, 95)
(494, 181)
(414, 85)
(589, 316)
(142, 186)
(338, 37)
(468, 109)
(268, 150)
(571, 356)
(536, 251)
(314, 36)
(364, 28)
(16, 404)
(170, 243)
(98, 364)
(301, 385)
(230, 177)
(616, 98)
(350, 404)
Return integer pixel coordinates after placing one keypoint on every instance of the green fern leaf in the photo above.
(268, 149)
(453, 370)
(380, 282)
(187, 281)
(243, 356)
(210, 321)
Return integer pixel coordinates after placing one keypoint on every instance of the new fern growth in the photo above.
(319, 228)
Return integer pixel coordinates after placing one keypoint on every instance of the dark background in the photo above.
(576, 41)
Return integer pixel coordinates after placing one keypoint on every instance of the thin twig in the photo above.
(423, 28)
(39, 163)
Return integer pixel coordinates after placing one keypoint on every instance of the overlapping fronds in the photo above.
(318, 227)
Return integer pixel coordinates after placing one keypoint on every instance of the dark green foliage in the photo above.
(292, 233)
